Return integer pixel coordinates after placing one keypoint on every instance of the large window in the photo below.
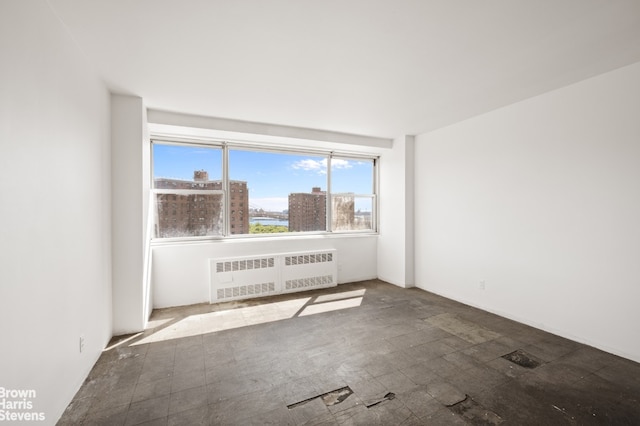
(224, 189)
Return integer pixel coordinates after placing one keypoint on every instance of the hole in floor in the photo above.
(522, 359)
(336, 396)
(330, 398)
(475, 413)
(388, 397)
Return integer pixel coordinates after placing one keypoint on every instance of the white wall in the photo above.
(180, 273)
(395, 243)
(130, 192)
(541, 200)
(54, 209)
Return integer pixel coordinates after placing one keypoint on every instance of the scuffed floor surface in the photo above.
(361, 354)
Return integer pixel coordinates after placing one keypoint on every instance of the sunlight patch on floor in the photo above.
(211, 322)
(228, 319)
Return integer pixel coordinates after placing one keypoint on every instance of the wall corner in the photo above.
(128, 203)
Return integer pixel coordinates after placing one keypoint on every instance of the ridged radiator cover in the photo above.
(254, 276)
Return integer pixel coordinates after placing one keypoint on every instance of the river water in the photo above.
(268, 221)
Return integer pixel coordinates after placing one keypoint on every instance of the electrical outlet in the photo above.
(482, 285)
(81, 344)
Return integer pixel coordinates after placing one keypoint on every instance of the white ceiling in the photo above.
(372, 67)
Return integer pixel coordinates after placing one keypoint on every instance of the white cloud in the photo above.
(336, 163)
(320, 166)
(311, 165)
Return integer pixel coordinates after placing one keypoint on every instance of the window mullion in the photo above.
(376, 200)
(329, 212)
(225, 186)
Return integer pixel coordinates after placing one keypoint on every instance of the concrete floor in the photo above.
(364, 353)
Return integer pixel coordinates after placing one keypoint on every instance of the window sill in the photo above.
(240, 239)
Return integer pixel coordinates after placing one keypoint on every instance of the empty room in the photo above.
(283, 212)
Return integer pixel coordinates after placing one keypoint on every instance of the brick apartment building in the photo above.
(182, 215)
(308, 211)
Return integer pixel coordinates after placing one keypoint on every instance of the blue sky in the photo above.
(270, 177)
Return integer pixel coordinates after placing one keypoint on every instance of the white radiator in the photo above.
(253, 276)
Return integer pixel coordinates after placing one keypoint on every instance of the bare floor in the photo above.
(364, 353)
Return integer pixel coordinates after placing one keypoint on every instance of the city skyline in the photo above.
(270, 176)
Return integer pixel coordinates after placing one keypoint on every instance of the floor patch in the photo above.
(522, 358)
(475, 413)
(388, 397)
(465, 330)
(336, 396)
(330, 398)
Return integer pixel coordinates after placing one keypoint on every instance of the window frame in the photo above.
(373, 195)
(228, 145)
(193, 191)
